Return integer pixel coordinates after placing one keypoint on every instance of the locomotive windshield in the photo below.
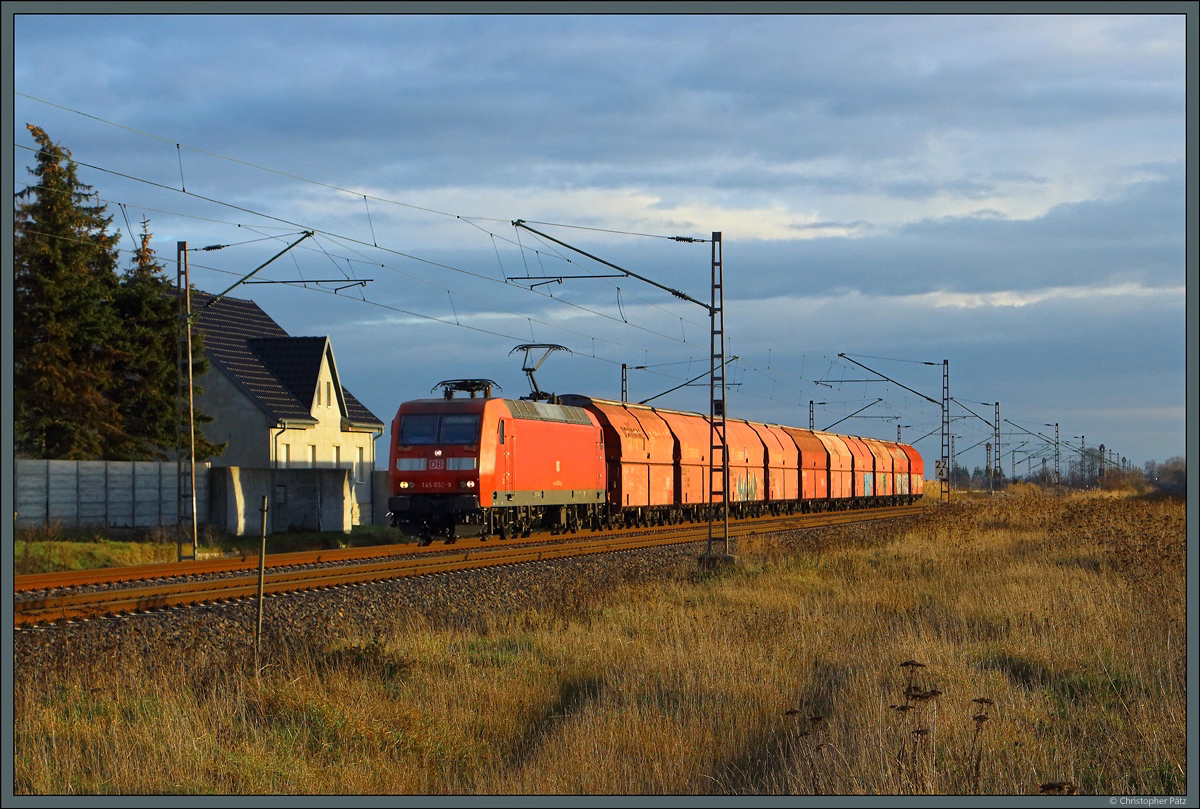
(459, 428)
(432, 428)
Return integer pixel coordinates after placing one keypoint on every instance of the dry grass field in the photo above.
(1021, 644)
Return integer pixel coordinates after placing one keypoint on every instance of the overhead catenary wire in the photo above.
(353, 240)
(557, 254)
(335, 236)
(179, 146)
(246, 163)
(412, 313)
(621, 232)
(474, 221)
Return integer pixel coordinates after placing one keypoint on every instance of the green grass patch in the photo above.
(54, 549)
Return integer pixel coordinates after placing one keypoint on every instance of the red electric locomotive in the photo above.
(483, 466)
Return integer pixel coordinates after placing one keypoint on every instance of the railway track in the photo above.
(60, 597)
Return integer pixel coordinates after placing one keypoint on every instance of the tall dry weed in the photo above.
(1018, 645)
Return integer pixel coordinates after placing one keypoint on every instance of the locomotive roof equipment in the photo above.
(471, 386)
(536, 394)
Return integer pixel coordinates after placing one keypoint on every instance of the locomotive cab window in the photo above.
(459, 428)
(418, 429)
(447, 428)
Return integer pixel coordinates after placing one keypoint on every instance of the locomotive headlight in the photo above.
(467, 484)
(404, 484)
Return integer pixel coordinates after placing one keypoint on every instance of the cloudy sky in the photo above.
(1004, 192)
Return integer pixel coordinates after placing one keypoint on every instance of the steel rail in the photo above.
(162, 570)
(109, 575)
(58, 608)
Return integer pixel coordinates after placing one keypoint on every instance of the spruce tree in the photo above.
(204, 448)
(65, 330)
(147, 378)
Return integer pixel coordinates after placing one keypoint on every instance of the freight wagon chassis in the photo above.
(450, 518)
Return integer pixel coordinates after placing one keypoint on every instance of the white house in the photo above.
(277, 401)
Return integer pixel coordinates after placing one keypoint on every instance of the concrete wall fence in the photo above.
(106, 494)
(144, 494)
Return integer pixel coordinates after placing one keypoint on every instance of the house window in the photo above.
(361, 470)
(329, 393)
(337, 457)
(312, 455)
(318, 394)
(287, 455)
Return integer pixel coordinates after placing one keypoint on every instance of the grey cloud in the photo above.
(1138, 235)
(501, 97)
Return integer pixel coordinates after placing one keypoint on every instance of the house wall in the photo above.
(326, 445)
(255, 442)
(237, 422)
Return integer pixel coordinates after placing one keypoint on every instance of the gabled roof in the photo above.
(295, 362)
(278, 372)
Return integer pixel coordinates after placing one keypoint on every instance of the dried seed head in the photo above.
(981, 717)
(791, 712)
(921, 731)
(983, 701)
(902, 708)
(912, 664)
(1057, 788)
(816, 719)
